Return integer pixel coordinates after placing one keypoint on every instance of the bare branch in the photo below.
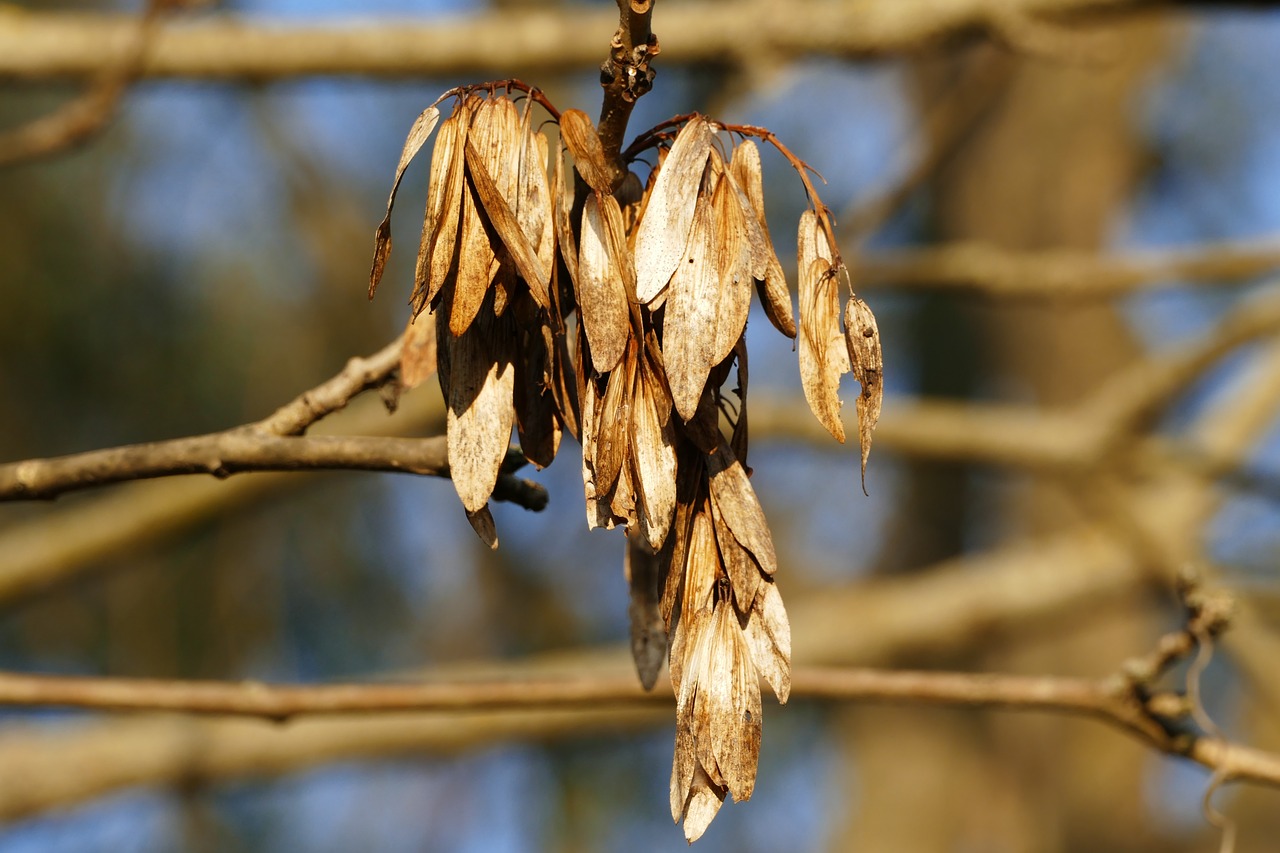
(1128, 701)
(87, 114)
(44, 45)
(1064, 274)
(246, 449)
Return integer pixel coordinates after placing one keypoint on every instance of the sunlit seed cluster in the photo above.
(562, 303)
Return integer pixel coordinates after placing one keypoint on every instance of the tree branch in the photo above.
(273, 444)
(1063, 274)
(66, 45)
(626, 76)
(1128, 700)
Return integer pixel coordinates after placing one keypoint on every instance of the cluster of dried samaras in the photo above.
(659, 279)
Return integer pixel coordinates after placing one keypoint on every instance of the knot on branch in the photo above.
(627, 69)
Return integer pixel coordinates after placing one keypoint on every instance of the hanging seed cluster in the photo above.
(557, 300)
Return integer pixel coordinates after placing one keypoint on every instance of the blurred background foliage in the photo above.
(203, 260)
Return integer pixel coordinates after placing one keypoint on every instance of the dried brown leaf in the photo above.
(438, 194)
(580, 137)
(534, 205)
(705, 799)
(654, 451)
(480, 412)
(602, 299)
(482, 523)
(729, 225)
(775, 296)
(697, 596)
(862, 338)
(418, 133)
(476, 264)
(674, 554)
(669, 213)
(613, 425)
(536, 417)
(741, 567)
(822, 352)
(768, 636)
(561, 206)
(522, 252)
(688, 338)
(648, 633)
(736, 502)
(727, 714)
(446, 240)
(418, 354)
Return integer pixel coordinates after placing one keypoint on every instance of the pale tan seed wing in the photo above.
(561, 205)
(580, 138)
(536, 420)
(775, 296)
(669, 213)
(622, 500)
(480, 413)
(768, 635)
(534, 210)
(820, 364)
(504, 222)
(418, 354)
(615, 234)
(437, 195)
(688, 328)
(862, 338)
(701, 569)
(735, 713)
(613, 424)
(739, 441)
(442, 259)
(482, 523)
(654, 451)
(744, 574)
(476, 264)
(737, 504)
(705, 799)
(648, 635)
(602, 300)
(729, 226)
(675, 554)
(418, 133)
(683, 765)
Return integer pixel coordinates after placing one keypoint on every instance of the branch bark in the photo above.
(543, 41)
(1063, 274)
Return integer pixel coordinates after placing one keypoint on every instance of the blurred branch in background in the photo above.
(43, 46)
(1064, 274)
(81, 118)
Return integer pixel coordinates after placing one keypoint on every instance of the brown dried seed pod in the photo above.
(653, 449)
(669, 212)
(602, 298)
(441, 161)
(821, 346)
(422, 127)
(580, 137)
(418, 354)
(775, 296)
(446, 242)
(737, 504)
(476, 264)
(648, 633)
(862, 338)
(504, 222)
(480, 412)
(727, 714)
(687, 348)
(733, 263)
(768, 635)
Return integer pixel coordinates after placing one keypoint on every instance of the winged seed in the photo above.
(669, 214)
